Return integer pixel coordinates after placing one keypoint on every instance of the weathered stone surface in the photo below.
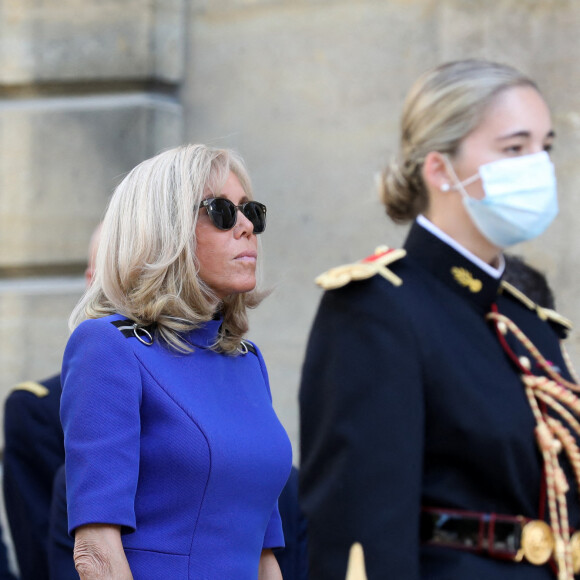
(537, 36)
(61, 159)
(232, 6)
(169, 24)
(33, 327)
(79, 40)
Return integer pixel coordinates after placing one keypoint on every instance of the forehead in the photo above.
(517, 109)
(224, 177)
(231, 189)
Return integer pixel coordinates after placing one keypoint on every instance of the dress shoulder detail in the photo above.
(246, 346)
(367, 268)
(130, 329)
(543, 313)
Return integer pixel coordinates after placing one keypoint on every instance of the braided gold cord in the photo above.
(542, 362)
(568, 444)
(557, 392)
(556, 485)
(560, 409)
(545, 443)
(559, 395)
(559, 514)
(571, 448)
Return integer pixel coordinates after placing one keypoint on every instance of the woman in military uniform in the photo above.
(439, 415)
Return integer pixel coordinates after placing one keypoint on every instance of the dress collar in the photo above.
(206, 335)
(452, 267)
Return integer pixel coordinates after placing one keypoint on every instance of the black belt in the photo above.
(498, 536)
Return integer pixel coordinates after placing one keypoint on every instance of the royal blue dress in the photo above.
(184, 452)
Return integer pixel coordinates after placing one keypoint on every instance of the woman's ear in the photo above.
(434, 172)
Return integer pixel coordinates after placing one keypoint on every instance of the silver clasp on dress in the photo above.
(147, 340)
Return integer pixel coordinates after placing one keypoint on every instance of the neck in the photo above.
(464, 232)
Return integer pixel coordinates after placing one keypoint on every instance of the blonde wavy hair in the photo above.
(443, 106)
(146, 266)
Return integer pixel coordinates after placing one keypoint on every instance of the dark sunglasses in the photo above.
(223, 213)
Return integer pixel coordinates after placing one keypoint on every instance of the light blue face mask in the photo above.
(520, 198)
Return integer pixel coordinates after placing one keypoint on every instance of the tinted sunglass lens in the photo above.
(256, 213)
(222, 213)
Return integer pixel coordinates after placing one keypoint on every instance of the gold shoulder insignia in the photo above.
(32, 387)
(356, 563)
(367, 268)
(543, 313)
(554, 317)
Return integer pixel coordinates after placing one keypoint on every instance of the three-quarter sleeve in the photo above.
(362, 429)
(101, 421)
(274, 536)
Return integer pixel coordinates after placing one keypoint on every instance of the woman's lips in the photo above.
(247, 256)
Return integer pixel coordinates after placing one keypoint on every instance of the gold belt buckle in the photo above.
(575, 545)
(537, 543)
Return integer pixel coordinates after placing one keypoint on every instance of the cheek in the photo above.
(209, 251)
(466, 169)
(476, 190)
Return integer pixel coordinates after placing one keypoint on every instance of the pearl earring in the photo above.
(445, 187)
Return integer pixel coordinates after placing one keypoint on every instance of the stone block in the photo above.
(50, 41)
(61, 161)
(537, 36)
(169, 26)
(33, 327)
(232, 6)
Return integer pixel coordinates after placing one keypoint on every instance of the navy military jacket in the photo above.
(33, 453)
(408, 399)
(292, 559)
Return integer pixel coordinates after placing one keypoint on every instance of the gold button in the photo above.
(537, 543)
(525, 362)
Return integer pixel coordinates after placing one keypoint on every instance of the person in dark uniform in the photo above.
(34, 493)
(33, 452)
(292, 559)
(5, 571)
(60, 543)
(439, 415)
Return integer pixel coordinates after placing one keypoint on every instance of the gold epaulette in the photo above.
(32, 387)
(543, 313)
(367, 268)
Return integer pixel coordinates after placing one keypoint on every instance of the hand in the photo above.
(269, 569)
(99, 554)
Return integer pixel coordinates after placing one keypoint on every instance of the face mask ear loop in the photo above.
(459, 185)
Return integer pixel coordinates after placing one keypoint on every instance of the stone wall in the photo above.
(309, 92)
